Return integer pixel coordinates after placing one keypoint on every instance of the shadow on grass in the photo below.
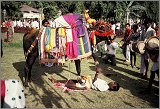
(37, 72)
(134, 85)
(50, 98)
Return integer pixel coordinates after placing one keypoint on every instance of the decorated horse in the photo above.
(69, 38)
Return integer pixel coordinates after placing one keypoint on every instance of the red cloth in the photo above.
(2, 89)
(92, 37)
(127, 32)
(8, 24)
(66, 89)
(126, 37)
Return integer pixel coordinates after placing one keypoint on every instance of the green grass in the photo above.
(15, 42)
(42, 93)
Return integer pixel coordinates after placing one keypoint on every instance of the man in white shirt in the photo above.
(111, 51)
(86, 83)
(113, 26)
(145, 57)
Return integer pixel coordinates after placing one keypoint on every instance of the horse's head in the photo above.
(102, 29)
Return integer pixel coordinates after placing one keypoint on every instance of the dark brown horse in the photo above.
(29, 39)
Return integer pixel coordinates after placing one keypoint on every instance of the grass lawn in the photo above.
(42, 93)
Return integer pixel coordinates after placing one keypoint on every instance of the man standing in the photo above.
(145, 57)
(126, 50)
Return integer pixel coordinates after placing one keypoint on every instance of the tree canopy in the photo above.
(97, 9)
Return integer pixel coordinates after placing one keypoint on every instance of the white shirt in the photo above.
(111, 49)
(15, 24)
(35, 24)
(100, 85)
(118, 25)
(19, 23)
(150, 32)
(113, 27)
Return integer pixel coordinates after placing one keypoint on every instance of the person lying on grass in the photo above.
(86, 83)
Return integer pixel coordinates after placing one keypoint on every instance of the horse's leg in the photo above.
(78, 66)
(28, 67)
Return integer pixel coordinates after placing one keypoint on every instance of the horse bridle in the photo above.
(33, 43)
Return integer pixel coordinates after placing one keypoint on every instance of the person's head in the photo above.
(112, 22)
(135, 27)
(36, 19)
(98, 69)
(10, 19)
(113, 86)
(148, 22)
(127, 26)
(45, 22)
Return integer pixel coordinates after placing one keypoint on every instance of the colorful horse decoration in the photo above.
(88, 19)
(70, 38)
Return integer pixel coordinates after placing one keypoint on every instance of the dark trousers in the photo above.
(112, 59)
(124, 50)
(151, 79)
(78, 66)
(133, 55)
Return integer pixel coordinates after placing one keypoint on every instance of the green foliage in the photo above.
(152, 9)
(80, 7)
(12, 8)
(120, 10)
(97, 9)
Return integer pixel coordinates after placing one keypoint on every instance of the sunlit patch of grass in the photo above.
(15, 42)
(15, 45)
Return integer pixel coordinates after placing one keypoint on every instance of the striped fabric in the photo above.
(78, 45)
(48, 45)
(69, 38)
